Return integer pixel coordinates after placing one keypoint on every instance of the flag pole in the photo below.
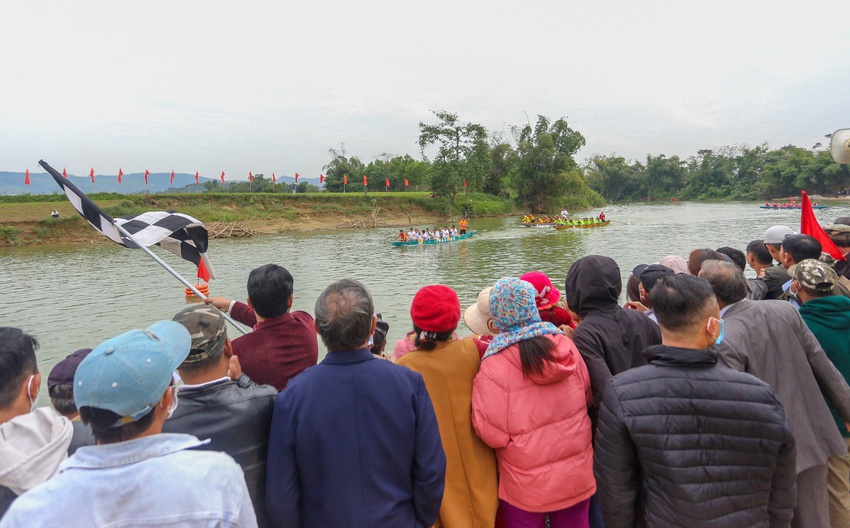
(126, 234)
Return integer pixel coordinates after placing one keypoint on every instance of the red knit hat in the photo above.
(435, 308)
(547, 295)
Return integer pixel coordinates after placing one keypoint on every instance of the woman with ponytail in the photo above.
(448, 367)
(529, 403)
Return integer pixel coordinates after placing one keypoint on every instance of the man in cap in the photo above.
(648, 275)
(135, 475)
(769, 340)
(839, 233)
(354, 440)
(283, 342)
(220, 403)
(827, 315)
(796, 248)
(33, 442)
(60, 387)
(775, 276)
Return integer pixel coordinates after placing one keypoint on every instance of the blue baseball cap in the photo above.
(128, 374)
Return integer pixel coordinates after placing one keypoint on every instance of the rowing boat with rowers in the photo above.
(582, 226)
(433, 241)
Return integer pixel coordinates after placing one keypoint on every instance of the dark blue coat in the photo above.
(354, 442)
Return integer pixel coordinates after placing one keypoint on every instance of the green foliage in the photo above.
(10, 233)
(462, 155)
(341, 166)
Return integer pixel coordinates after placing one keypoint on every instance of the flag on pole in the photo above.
(178, 233)
(250, 176)
(345, 179)
(406, 183)
(274, 178)
(27, 178)
(64, 174)
(387, 182)
(321, 178)
(222, 177)
(146, 176)
(91, 174)
(296, 177)
(197, 178)
(172, 177)
(465, 184)
(809, 226)
(120, 174)
(365, 181)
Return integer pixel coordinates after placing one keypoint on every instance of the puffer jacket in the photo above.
(685, 442)
(538, 426)
(610, 338)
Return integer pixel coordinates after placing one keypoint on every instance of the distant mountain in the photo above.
(158, 182)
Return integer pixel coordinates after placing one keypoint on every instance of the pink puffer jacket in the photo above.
(538, 426)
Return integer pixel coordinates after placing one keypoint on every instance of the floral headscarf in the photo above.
(515, 314)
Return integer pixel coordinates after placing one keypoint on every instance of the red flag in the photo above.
(250, 176)
(27, 178)
(365, 181)
(197, 178)
(406, 183)
(345, 179)
(146, 176)
(120, 174)
(809, 226)
(64, 174)
(222, 177)
(465, 184)
(274, 178)
(172, 176)
(388, 182)
(321, 178)
(202, 271)
(296, 177)
(91, 175)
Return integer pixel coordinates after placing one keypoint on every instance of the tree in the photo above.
(462, 153)
(339, 167)
(545, 158)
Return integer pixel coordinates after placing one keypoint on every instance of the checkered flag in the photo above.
(178, 233)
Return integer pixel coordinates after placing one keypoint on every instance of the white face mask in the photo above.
(33, 401)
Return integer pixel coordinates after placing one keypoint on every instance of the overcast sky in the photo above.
(271, 86)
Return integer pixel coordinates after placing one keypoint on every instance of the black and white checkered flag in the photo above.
(180, 234)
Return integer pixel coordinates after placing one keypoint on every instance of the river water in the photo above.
(76, 297)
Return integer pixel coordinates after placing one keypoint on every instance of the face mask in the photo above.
(33, 401)
(719, 338)
(173, 406)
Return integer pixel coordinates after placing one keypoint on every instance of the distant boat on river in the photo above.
(434, 241)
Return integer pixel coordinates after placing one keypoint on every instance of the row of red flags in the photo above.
(198, 180)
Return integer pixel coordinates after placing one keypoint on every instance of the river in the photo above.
(77, 296)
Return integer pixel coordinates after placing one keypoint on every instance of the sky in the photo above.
(272, 86)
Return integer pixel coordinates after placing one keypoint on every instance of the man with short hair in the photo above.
(827, 314)
(136, 476)
(283, 342)
(775, 276)
(648, 275)
(683, 441)
(33, 442)
(770, 340)
(758, 257)
(796, 248)
(220, 403)
(60, 387)
(354, 440)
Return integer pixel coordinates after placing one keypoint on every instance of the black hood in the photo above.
(593, 284)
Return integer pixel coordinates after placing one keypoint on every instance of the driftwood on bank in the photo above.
(229, 230)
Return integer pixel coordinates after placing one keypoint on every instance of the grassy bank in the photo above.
(26, 220)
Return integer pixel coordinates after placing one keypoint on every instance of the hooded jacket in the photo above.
(610, 338)
(829, 319)
(538, 426)
(32, 446)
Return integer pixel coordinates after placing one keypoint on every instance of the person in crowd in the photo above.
(283, 342)
(775, 276)
(633, 291)
(479, 320)
(648, 275)
(543, 448)
(60, 387)
(769, 340)
(611, 339)
(794, 249)
(33, 442)
(698, 256)
(736, 255)
(354, 440)
(379, 338)
(756, 288)
(828, 317)
(656, 420)
(840, 236)
(136, 476)
(675, 263)
(547, 300)
(448, 367)
(464, 224)
(401, 237)
(758, 257)
(220, 403)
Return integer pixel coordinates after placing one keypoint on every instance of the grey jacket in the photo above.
(769, 340)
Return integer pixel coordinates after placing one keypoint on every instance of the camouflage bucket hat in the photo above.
(814, 275)
(208, 330)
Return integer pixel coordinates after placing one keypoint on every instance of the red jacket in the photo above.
(278, 348)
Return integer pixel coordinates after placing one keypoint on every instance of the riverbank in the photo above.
(26, 220)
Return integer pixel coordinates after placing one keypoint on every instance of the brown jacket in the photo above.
(470, 498)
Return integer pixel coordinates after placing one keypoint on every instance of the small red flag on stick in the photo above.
(365, 180)
(345, 179)
(296, 177)
(120, 174)
(222, 176)
(197, 178)
(91, 174)
(465, 184)
(321, 178)
(809, 226)
(387, 182)
(406, 183)
(250, 176)
(146, 176)
(172, 176)
(27, 178)
(274, 178)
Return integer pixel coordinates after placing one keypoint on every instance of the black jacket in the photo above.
(685, 442)
(610, 338)
(236, 416)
